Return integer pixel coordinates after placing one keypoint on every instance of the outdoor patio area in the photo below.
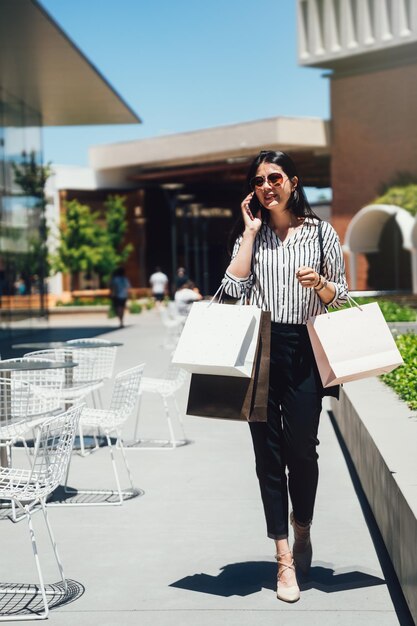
(193, 548)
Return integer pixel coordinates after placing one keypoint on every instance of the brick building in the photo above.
(370, 50)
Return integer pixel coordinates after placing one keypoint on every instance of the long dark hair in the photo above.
(298, 204)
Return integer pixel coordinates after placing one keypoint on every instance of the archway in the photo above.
(383, 234)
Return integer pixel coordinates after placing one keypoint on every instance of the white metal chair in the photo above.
(166, 389)
(14, 409)
(110, 421)
(46, 387)
(173, 325)
(30, 487)
(30, 397)
(105, 355)
(79, 382)
(26, 400)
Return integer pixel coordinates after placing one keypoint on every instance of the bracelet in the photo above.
(318, 281)
(323, 285)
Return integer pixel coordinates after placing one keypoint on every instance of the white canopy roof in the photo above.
(42, 67)
(216, 144)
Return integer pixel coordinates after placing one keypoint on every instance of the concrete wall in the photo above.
(381, 435)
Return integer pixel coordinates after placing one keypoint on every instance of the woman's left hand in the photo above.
(307, 277)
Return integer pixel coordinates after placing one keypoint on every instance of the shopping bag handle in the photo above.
(221, 290)
(350, 300)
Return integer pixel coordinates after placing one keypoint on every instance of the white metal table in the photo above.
(6, 369)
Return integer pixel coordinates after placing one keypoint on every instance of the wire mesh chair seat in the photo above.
(123, 402)
(166, 388)
(78, 382)
(105, 356)
(23, 484)
(45, 384)
(23, 406)
(30, 487)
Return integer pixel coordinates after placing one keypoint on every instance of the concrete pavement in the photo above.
(193, 549)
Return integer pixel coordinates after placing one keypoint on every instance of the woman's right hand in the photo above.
(252, 222)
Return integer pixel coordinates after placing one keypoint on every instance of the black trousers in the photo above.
(285, 445)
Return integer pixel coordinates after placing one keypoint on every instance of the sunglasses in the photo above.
(273, 179)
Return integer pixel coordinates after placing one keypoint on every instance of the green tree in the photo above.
(31, 177)
(82, 238)
(88, 243)
(115, 251)
(116, 221)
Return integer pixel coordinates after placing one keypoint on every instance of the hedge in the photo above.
(392, 311)
(403, 380)
(404, 196)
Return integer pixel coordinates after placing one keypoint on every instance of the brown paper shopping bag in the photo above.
(230, 397)
(352, 344)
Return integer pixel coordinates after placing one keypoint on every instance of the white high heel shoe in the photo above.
(287, 594)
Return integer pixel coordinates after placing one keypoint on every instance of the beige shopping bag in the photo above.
(219, 339)
(352, 343)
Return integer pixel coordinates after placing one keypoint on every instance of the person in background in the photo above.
(119, 288)
(181, 278)
(280, 265)
(159, 284)
(185, 296)
(20, 287)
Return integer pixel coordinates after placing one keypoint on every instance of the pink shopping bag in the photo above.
(352, 344)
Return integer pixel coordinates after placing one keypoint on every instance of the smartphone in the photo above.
(254, 205)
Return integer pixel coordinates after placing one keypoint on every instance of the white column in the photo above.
(414, 269)
(55, 284)
(353, 271)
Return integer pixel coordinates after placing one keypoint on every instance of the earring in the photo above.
(295, 194)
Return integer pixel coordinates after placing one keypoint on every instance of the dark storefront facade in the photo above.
(188, 188)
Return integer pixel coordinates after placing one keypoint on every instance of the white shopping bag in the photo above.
(352, 344)
(219, 339)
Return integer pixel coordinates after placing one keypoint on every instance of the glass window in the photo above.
(22, 232)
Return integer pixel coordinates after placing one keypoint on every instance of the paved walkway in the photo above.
(193, 550)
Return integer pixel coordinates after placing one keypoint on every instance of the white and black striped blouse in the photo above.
(272, 284)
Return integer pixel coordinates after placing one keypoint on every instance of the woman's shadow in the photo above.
(243, 579)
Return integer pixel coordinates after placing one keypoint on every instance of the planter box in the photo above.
(380, 432)
(101, 309)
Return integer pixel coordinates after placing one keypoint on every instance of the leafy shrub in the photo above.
(394, 312)
(404, 196)
(391, 311)
(135, 308)
(86, 301)
(404, 379)
(149, 304)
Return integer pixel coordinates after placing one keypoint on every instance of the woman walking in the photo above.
(290, 263)
(119, 289)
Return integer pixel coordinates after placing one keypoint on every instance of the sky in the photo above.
(184, 65)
